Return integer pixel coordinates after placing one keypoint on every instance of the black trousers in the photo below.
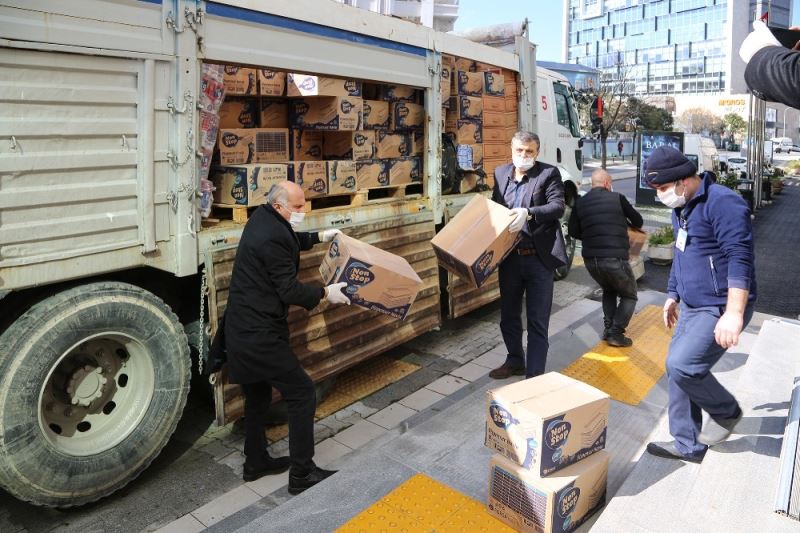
(297, 391)
(616, 278)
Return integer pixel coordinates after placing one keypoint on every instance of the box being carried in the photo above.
(376, 279)
(546, 423)
(476, 240)
(558, 503)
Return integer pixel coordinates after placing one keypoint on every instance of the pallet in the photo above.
(238, 213)
(364, 197)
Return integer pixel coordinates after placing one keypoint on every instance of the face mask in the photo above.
(295, 219)
(523, 163)
(671, 199)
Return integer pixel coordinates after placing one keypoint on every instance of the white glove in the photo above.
(759, 38)
(328, 235)
(520, 215)
(334, 292)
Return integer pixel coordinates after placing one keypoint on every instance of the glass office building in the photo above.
(666, 47)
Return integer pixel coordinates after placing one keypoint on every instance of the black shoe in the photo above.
(298, 484)
(273, 466)
(505, 371)
(619, 340)
(667, 450)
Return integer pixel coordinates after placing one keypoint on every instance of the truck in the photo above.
(702, 152)
(111, 283)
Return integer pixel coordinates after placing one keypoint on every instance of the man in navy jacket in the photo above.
(713, 283)
(535, 194)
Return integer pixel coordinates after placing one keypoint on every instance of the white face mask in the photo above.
(295, 219)
(671, 199)
(523, 163)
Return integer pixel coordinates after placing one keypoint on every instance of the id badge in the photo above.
(680, 241)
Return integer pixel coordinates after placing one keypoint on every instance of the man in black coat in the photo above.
(263, 285)
(601, 219)
(773, 71)
(535, 194)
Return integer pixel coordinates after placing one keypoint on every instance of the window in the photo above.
(565, 108)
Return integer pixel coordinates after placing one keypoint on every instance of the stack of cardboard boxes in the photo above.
(550, 472)
(321, 132)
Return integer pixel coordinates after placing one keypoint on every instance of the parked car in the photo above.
(782, 144)
(795, 148)
(737, 164)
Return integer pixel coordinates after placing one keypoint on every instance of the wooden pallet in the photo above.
(365, 196)
(238, 213)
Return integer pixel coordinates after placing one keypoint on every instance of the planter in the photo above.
(661, 254)
(777, 186)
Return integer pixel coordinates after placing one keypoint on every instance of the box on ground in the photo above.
(348, 144)
(376, 279)
(271, 82)
(370, 174)
(391, 145)
(239, 80)
(274, 113)
(405, 170)
(406, 115)
(312, 177)
(306, 145)
(376, 115)
(476, 240)
(546, 423)
(308, 85)
(555, 504)
(253, 145)
(326, 113)
(246, 184)
(470, 83)
(342, 177)
(239, 114)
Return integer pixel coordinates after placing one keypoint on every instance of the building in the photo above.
(440, 15)
(677, 54)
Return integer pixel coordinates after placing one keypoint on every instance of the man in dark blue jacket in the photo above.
(600, 220)
(713, 282)
(535, 194)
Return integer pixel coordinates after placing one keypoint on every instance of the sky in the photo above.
(545, 16)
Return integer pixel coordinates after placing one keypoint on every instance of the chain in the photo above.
(201, 341)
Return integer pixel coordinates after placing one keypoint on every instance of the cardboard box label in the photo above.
(348, 145)
(246, 184)
(274, 113)
(406, 115)
(312, 176)
(271, 82)
(370, 174)
(342, 177)
(253, 145)
(239, 114)
(470, 83)
(391, 145)
(547, 423)
(307, 145)
(470, 108)
(376, 115)
(376, 279)
(308, 85)
(239, 80)
(326, 113)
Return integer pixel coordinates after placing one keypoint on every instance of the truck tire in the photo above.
(93, 381)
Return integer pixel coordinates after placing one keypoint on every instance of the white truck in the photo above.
(109, 280)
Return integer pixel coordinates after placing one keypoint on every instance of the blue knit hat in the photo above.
(665, 164)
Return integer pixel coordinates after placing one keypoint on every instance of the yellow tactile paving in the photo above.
(422, 504)
(627, 374)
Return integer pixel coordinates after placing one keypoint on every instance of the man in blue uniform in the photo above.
(712, 282)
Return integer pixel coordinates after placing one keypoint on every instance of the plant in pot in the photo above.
(662, 244)
(777, 181)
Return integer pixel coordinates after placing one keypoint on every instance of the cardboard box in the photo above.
(391, 145)
(555, 504)
(497, 151)
(483, 67)
(307, 85)
(376, 115)
(312, 177)
(417, 142)
(271, 82)
(451, 121)
(468, 65)
(371, 91)
(448, 67)
(306, 145)
(493, 119)
(371, 174)
(399, 93)
(239, 80)
(342, 177)
(494, 84)
(469, 132)
(246, 184)
(238, 114)
(489, 166)
(475, 241)
(469, 107)
(477, 155)
(510, 132)
(274, 113)
(637, 239)
(511, 119)
(494, 135)
(405, 170)
(494, 103)
(546, 423)
(376, 279)
(470, 83)
(326, 113)
(406, 115)
(348, 145)
(512, 104)
(253, 145)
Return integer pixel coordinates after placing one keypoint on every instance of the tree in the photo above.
(654, 118)
(700, 120)
(734, 125)
(615, 91)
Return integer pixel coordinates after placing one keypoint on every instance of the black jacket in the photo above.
(544, 198)
(263, 286)
(600, 219)
(773, 74)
